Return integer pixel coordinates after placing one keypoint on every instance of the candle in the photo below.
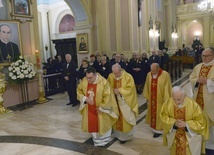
(37, 59)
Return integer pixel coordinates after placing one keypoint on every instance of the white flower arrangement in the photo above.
(21, 71)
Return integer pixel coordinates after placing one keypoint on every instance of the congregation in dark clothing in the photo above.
(138, 66)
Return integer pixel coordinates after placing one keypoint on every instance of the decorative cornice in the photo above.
(83, 27)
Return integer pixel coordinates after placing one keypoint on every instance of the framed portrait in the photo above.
(82, 43)
(21, 8)
(10, 42)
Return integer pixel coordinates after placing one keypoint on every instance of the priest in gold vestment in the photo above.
(126, 95)
(157, 89)
(184, 124)
(202, 81)
(98, 107)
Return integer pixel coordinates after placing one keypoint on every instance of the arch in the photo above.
(59, 18)
(67, 23)
(190, 26)
(78, 10)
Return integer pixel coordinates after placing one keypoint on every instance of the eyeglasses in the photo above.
(205, 56)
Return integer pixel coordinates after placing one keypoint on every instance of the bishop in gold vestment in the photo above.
(126, 95)
(184, 124)
(98, 107)
(157, 89)
(202, 81)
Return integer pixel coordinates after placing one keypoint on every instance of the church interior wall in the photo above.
(12, 95)
(212, 34)
(125, 26)
(4, 11)
(112, 26)
(135, 44)
(194, 30)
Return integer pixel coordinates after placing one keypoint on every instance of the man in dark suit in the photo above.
(93, 62)
(154, 58)
(119, 61)
(69, 73)
(9, 51)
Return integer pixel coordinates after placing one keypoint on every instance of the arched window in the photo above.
(66, 24)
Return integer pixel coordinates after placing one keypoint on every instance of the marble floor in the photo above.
(53, 128)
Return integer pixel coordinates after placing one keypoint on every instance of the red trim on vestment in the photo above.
(119, 123)
(92, 110)
(154, 83)
(200, 97)
(180, 136)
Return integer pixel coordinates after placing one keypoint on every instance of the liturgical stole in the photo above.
(92, 109)
(203, 73)
(180, 135)
(119, 123)
(154, 84)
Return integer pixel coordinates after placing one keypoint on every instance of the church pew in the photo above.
(186, 60)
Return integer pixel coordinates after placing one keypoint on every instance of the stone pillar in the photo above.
(45, 35)
(206, 32)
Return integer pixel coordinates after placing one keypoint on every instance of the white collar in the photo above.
(154, 76)
(4, 41)
(209, 63)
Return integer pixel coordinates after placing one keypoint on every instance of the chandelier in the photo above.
(174, 33)
(206, 6)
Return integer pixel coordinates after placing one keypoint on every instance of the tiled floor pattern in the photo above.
(54, 129)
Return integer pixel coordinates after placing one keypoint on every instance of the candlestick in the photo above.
(42, 98)
(38, 60)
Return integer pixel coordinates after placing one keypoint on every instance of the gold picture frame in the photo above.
(82, 43)
(21, 9)
(10, 43)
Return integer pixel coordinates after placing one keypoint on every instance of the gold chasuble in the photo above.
(203, 73)
(104, 99)
(201, 93)
(126, 100)
(189, 140)
(156, 91)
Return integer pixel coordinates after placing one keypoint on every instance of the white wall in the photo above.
(54, 12)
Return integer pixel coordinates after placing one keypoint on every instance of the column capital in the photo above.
(43, 8)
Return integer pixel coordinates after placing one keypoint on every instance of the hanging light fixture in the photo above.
(206, 6)
(154, 28)
(174, 33)
(150, 23)
(157, 24)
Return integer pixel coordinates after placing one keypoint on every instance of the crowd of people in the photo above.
(193, 51)
(107, 93)
(138, 66)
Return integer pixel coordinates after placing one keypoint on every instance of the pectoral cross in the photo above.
(8, 57)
